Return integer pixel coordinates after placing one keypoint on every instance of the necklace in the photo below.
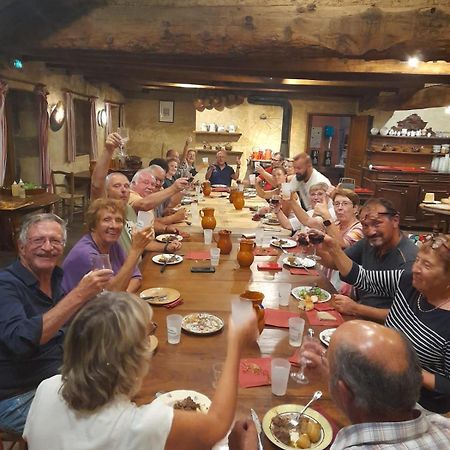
(432, 309)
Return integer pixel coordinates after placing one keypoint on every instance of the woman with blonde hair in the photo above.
(106, 357)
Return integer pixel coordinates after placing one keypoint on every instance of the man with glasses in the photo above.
(266, 174)
(33, 313)
(384, 247)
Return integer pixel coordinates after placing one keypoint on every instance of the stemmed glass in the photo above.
(315, 237)
(125, 138)
(300, 377)
(101, 261)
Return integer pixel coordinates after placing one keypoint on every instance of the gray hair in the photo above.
(374, 388)
(156, 167)
(110, 175)
(35, 218)
(138, 174)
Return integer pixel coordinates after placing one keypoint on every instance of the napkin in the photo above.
(303, 271)
(198, 255)
(270, 265)
(254, 372)
(323, 307)
(265, 251)
(313, 319)
(174, 303)
(277, 317)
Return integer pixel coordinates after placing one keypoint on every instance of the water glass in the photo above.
(174, 328)
(286, 191)
(124, 134)
(296, 327)
(207, 236)
(252, 179)
(284, 293)
(241, 311)
(259, 237)
(205, 161)
(215, 256)
(280, 369)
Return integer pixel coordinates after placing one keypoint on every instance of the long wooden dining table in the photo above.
(188, 365)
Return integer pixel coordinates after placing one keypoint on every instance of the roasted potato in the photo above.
(313, 431)
(303, 441)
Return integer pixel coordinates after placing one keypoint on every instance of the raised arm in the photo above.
(266, 175)
(301, 214)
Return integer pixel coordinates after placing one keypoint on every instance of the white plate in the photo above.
(325, 336)
(187, 200)
(270, 222)
(296, 293)
(202, 323)
(219, 186)
(170, 398)
(299, 262)
(159, 259)
(283, 243)
(168, 237)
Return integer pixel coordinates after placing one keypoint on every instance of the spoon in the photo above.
(296, 419)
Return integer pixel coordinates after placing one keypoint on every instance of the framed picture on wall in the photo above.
(165, 111)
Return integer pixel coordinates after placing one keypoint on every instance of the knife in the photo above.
(258, 426)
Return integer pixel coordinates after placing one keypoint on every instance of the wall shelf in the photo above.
(415, 138)
(390, 152)
(215, 133)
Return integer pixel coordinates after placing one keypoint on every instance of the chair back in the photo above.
(63, 182)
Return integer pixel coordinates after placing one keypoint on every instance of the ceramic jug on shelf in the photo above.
(208, 219)
(206, 187)
(256, 298)
(224, 242)
(238, 200)
(245, 254)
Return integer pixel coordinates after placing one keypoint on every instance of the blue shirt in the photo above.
(222, 176)
(24, 363)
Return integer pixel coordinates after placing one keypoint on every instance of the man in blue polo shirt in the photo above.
(221, 172)
(33, 312)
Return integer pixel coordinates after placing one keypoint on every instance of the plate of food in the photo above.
(186, 400)
(315, 294)
(160, 295)
(314, 431)
(187, 200)
(219, 186)
(325, 336)
(202, 323)
(167, 258)
(165, 238)
(297, 261)
(283, 243)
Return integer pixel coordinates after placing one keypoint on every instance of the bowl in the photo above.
(384, 131)
(374, 131)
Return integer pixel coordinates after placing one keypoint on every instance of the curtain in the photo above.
(94, 142)
(43, 122)
(70, 136)
(108, 119)
(3, 131)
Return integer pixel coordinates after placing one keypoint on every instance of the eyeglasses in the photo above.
(375, 220)
(40, 241)
(343, 204)
(437, 241)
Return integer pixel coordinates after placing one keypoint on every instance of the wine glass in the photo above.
(99, 262)
(299, 376)
(125, 137)
(315, 237)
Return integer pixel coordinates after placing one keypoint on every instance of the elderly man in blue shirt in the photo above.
(33, 312)
(221, 172)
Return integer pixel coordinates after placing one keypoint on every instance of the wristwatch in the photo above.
(327, 223)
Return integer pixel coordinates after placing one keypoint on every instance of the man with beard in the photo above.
(305, 177)
(384, 247)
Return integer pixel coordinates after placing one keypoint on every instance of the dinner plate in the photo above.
(270, 221)
(187, 200)
(283, 243)
(170, 398)
(296, 261)
(326, 434)
(202, 323)
(325, 336)
(153, 343)
(219, 186)
(296, 292)
(160, 295)
(168, 237)
(171, 259)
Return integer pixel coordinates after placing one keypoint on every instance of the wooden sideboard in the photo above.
(406, 190)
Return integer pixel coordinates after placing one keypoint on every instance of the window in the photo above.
(82, 110)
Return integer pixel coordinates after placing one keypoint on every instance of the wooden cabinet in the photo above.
(406, 191)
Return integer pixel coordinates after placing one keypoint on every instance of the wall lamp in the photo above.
(57, 116)
(102, 118)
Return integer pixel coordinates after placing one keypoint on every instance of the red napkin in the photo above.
(303, 271)
(277, 317)
(265, 251)
(314, 320)
(270, 265)
(254, 372)
(174, 303)
(323, 307)
(198, 255)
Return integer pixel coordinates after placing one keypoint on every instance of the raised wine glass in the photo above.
(299, 376)
(125, 137)
(315, 237)
(101, 261)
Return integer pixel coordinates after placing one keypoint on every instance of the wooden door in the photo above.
(357, 146)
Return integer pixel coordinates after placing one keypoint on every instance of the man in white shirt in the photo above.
(305, 177)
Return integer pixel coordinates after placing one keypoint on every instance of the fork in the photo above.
(296, 419)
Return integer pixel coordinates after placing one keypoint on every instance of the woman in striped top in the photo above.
(420, 309)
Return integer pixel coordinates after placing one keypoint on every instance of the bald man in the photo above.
(305, 177)
(375, 379)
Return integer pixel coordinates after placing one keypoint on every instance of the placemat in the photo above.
(277, 317)
(254, 372)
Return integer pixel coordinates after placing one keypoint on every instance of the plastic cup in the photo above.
(296, 327)
(252, 179)
(284, 293)
(280, 369)
(174, 328)
(241, 311)
(286, 191)
(217, 370)
(205, 160)
(207, 236)
(215, 256)
(259, 237)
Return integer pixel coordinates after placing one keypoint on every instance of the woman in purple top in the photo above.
(105, 219)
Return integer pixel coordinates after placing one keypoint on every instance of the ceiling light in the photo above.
(447, 110)
(413, 61)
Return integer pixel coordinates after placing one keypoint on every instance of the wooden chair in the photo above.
(11, 441)
(64, 185)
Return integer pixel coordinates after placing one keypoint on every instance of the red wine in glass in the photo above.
(274, 201)
(316, 238)
(303, 240)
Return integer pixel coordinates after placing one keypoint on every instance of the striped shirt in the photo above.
(429, 332)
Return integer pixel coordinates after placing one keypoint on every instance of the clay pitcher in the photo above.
(206, 185)
(208, 219)
(256, 298)
(232, 194)
(245, 254)
(238, 200)
(224, 242)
